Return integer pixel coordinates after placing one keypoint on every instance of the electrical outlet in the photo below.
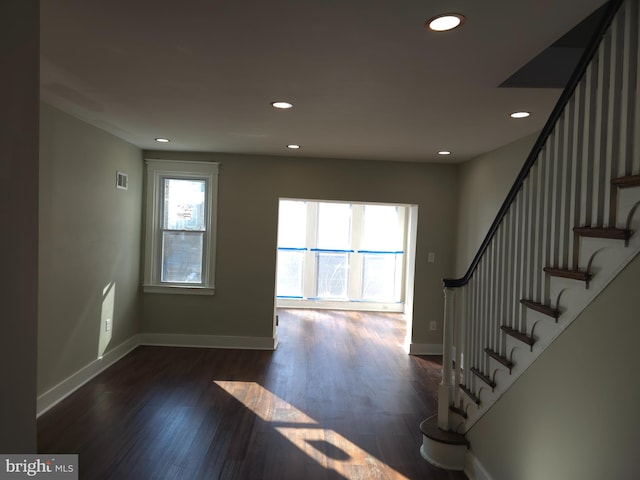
(107, 325)
(433, 326)
(431, 257)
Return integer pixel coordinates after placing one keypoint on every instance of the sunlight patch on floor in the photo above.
(327, 447)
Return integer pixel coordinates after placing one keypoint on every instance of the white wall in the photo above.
(484, 184)
(89, 244)
(249, 189)
(19, 57)
(574, 413)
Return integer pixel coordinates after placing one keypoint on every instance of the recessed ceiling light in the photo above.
(281, 105)
(445, 22)
(163, 140)
(520, 114)
(292, 146)
(444, 152)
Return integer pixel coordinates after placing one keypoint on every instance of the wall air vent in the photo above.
(122, 180)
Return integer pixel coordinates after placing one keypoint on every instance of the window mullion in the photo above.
(310, 264)
(402, 261)
(355, 265)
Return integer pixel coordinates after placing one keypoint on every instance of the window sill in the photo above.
(178, 290)
(353, 305)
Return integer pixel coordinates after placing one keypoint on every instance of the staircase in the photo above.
(562, 235)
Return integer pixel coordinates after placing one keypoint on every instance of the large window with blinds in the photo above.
(341, 255)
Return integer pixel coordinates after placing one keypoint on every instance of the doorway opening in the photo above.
(346, 255)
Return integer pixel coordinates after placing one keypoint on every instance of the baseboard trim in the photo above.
(425, 349)
(474, 469)
(69, 385)
(62, 390)
(207, 341)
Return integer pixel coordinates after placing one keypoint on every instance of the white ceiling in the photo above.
(367, 79)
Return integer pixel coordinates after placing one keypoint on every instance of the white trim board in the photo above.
(69, 385)
(62, 390)
(474, 469)
(425, 349)
(207, 341)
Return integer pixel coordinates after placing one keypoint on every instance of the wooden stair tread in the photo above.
(430, 429)
(483, 377)
(604, 232)
(469, 393)
(523, 337)
(573, 274)
(499, 358)
(627, 181)
(539, 307)
(458, 411)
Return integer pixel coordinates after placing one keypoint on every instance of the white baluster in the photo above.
(575, 194)
(531, 274)
(526, 249)
(472, 312)
(538, 229)
(478, 323)
(555, 161)
(494, 296)
(505, 278)
(599, 185)
(507, 273)
(488, 297)
(482, 310)
(635, 167)
(628, 88)
(586, 197)
(612, 154)
(564, 187)
(472, 331)
(546, 217)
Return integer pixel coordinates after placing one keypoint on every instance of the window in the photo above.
(332, 251)
(180, 227)
(292, 235)
(332, 254)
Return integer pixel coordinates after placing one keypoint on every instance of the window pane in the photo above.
(182, 257)
(382, 228)
(379, 277)
(292, 224)
(333, 270)
(290, 267)
(184, 202)
(334, 226)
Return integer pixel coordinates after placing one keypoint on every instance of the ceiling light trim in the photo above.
(445, 22)
(282, 105)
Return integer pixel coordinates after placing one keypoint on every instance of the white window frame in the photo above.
(157, 171)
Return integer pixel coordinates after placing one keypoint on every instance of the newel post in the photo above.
(445, 391)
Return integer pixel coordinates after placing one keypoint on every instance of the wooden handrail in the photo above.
(576, 77)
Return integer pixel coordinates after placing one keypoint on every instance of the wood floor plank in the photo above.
(339, 399)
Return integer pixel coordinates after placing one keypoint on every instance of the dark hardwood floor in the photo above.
(339, 398)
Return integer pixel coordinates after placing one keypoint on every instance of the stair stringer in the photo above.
(605, 258)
